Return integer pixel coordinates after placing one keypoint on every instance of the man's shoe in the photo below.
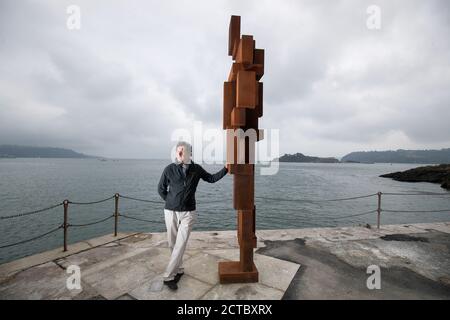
(178, 276)
(172, 284)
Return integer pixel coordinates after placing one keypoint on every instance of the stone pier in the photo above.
(313, 263)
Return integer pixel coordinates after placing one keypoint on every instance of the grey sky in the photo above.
(139, 69)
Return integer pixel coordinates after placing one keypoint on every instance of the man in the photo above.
(177, 187)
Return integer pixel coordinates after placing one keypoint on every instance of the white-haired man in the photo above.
(177, 187)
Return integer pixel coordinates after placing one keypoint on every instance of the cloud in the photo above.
(138, 70)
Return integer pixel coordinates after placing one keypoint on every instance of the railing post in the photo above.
(379, 210)
(65, 225)
(116, 213)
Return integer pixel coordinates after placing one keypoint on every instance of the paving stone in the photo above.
(227, 254)
(46, 281)
(120, 278)
(273, 272)
(40, 258)
(107, 238)
(348, 234)
(441, 227)
(189, 288)
(243, 291)
(398, 229)
(203, 267)
(99, 258)
(146, 240)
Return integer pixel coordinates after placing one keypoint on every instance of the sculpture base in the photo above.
(231, 272)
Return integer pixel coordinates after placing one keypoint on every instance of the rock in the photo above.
(446, 183)
(435, 174)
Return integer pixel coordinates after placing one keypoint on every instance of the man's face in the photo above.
(183, 155)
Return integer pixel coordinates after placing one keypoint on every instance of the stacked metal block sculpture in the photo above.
(242, 107)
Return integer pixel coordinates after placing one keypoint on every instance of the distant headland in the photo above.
(369, 157)
(365, 157)
(299, 157)
(400, 156)
(15, 151)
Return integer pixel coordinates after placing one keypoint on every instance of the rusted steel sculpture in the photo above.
(242, 106)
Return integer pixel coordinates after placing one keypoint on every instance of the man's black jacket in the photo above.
(179, 191)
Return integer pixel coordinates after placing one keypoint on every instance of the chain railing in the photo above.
(65, 204)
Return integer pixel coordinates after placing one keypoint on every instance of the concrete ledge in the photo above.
(8, 268)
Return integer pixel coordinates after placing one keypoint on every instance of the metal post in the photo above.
(65, 225)
(379, 210)
(116, 213)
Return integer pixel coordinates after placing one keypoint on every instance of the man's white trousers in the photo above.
(179, 225)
